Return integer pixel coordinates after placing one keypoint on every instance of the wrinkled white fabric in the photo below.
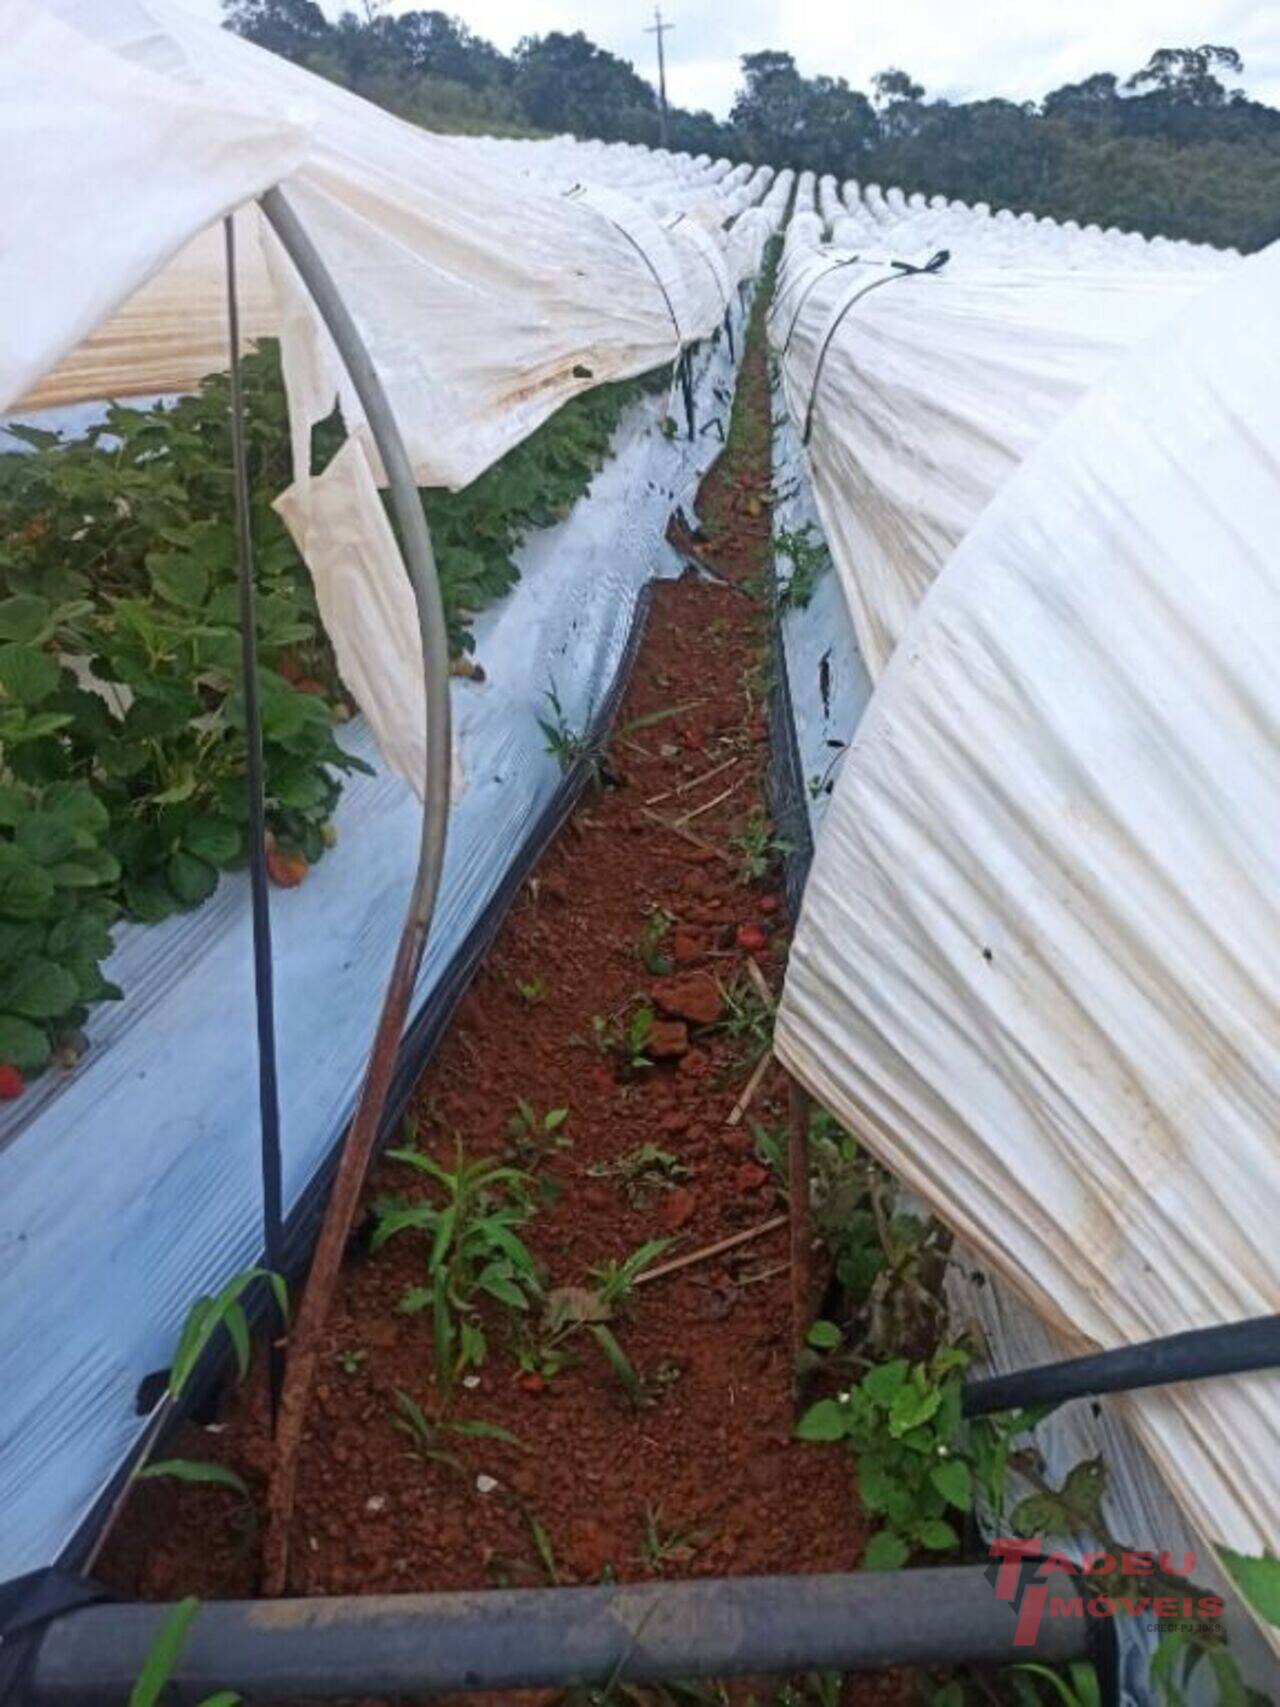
(485, 303)
(923, 392)
(112, 171)
(490, 281)
(1038, 967)
(366, 603)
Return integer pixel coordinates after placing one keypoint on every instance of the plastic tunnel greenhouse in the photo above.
(1023, 736)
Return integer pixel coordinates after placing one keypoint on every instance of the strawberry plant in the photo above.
(122, 746)
(121, 652)
(122, 749)
(56, 877)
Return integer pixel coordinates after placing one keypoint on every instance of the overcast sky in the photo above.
(1016, 48)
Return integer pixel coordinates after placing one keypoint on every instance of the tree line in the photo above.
(1169, 149)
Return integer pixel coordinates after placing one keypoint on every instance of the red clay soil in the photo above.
(710, 1462)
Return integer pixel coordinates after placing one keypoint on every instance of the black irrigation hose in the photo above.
(902, 270)
(807, 292)
(576, 194)
(1202, 1354)
(259, 892)
(715, 277)
(424, 1644)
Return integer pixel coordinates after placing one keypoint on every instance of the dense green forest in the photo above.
(1170, 148)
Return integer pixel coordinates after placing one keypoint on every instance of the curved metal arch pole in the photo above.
(308, 1328)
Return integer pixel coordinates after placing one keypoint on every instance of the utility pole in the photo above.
(659, 29)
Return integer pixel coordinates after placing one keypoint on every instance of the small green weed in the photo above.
(902, 1423)
(649, 948)
(614, 1282)
(225, 1310)
(662, 1544)
(809, 559)
(533, 1135)
(473, 1250)
(626, 1037)
(1076, 1685)
(643, 1173)
(565, 744)
(757, 848)
(747, 1019)
(427, 1434)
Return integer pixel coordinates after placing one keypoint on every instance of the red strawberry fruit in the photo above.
(286, 870)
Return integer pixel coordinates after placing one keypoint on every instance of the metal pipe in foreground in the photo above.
(421, 1644)
(1199, 1355)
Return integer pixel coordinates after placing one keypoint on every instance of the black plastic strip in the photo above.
(788, 806)
(1202, 1354)
(27, 1606)
(259, 891)
(685, 369)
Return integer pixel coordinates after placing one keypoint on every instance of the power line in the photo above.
(659, 29)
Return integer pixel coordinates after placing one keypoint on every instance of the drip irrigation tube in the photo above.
(263, 972)
(902, 270)
(1231, 1349)
(418, 1644)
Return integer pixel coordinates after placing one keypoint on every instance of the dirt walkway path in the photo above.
(624, 916)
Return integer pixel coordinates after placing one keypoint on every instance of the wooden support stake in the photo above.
(708, 1251)
(753, 1085)
(761, 983)
(800, 1104)
(686, 835)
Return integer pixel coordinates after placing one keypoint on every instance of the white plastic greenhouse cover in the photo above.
(1037, 962)
(482, 309)
(923, 391)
